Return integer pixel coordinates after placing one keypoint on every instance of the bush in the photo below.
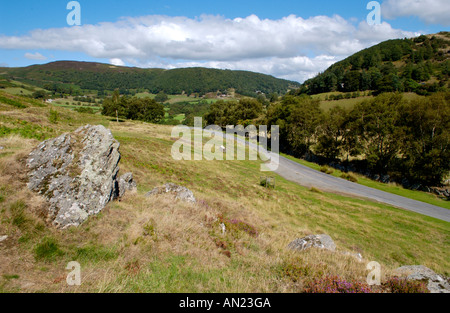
(85, 110)
(334, 284)
(349, 177)
(243, 226)
(53, 117)
(296, 272)
(403, 285)
(327, 170)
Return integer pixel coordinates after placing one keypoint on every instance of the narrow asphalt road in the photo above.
(308, 177)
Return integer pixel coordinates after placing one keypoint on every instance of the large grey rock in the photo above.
(314, 241)
(76, 173)
(181, 193)
(436, 283)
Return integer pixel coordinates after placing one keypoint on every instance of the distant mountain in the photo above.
(419, 65)
(102, 77)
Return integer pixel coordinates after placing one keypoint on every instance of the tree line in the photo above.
(133, 108)
(386, 135)
(406, 65)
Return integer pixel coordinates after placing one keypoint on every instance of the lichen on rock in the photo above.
(76, 173)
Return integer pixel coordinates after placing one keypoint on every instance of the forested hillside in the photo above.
(69, 77)
(418, 65)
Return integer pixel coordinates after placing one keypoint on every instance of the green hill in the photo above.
(70, 76)
(418, 65)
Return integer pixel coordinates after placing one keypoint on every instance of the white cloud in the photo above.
(35, 56)
(117, 62)
(290, 47)
(429, 11)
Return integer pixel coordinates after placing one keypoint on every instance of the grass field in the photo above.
(159, 244)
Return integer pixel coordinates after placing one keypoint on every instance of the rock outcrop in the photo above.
(126, 183)
(181, 193)
(436, 283)
(77, 174)
(314, 241)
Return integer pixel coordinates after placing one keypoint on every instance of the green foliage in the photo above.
(12, 102)
(405, 139)
(390, 66)
(349, 177)
(150, 230)
(144, 109)
(53, 116)
(161, 97)
(66, 78)
(296, 271)
(26, 130)
(40, 94)
(298, 119)
(85, 110)
(327, 170)
(426, 138)
(240, 112)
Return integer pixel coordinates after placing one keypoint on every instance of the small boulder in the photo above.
(126, 183)
(436, 283)
(314, 241)
(180, 192)
(3, 238)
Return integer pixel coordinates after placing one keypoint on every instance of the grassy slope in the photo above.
(162, 245)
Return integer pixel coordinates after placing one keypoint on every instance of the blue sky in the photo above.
(291, 39)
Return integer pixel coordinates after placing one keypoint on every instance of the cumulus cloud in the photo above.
(35, 56)
(429, 11)
(117, 62)
(290, 47)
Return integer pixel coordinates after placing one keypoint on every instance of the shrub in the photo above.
(349, 177)
(53, 117)
(335, 284)
(403, 285)
(150, 230)
(85, 110)
(296, 272)
(235, 226)
(268, 182)
(313, 189)
(327, 170)
(243, 226)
